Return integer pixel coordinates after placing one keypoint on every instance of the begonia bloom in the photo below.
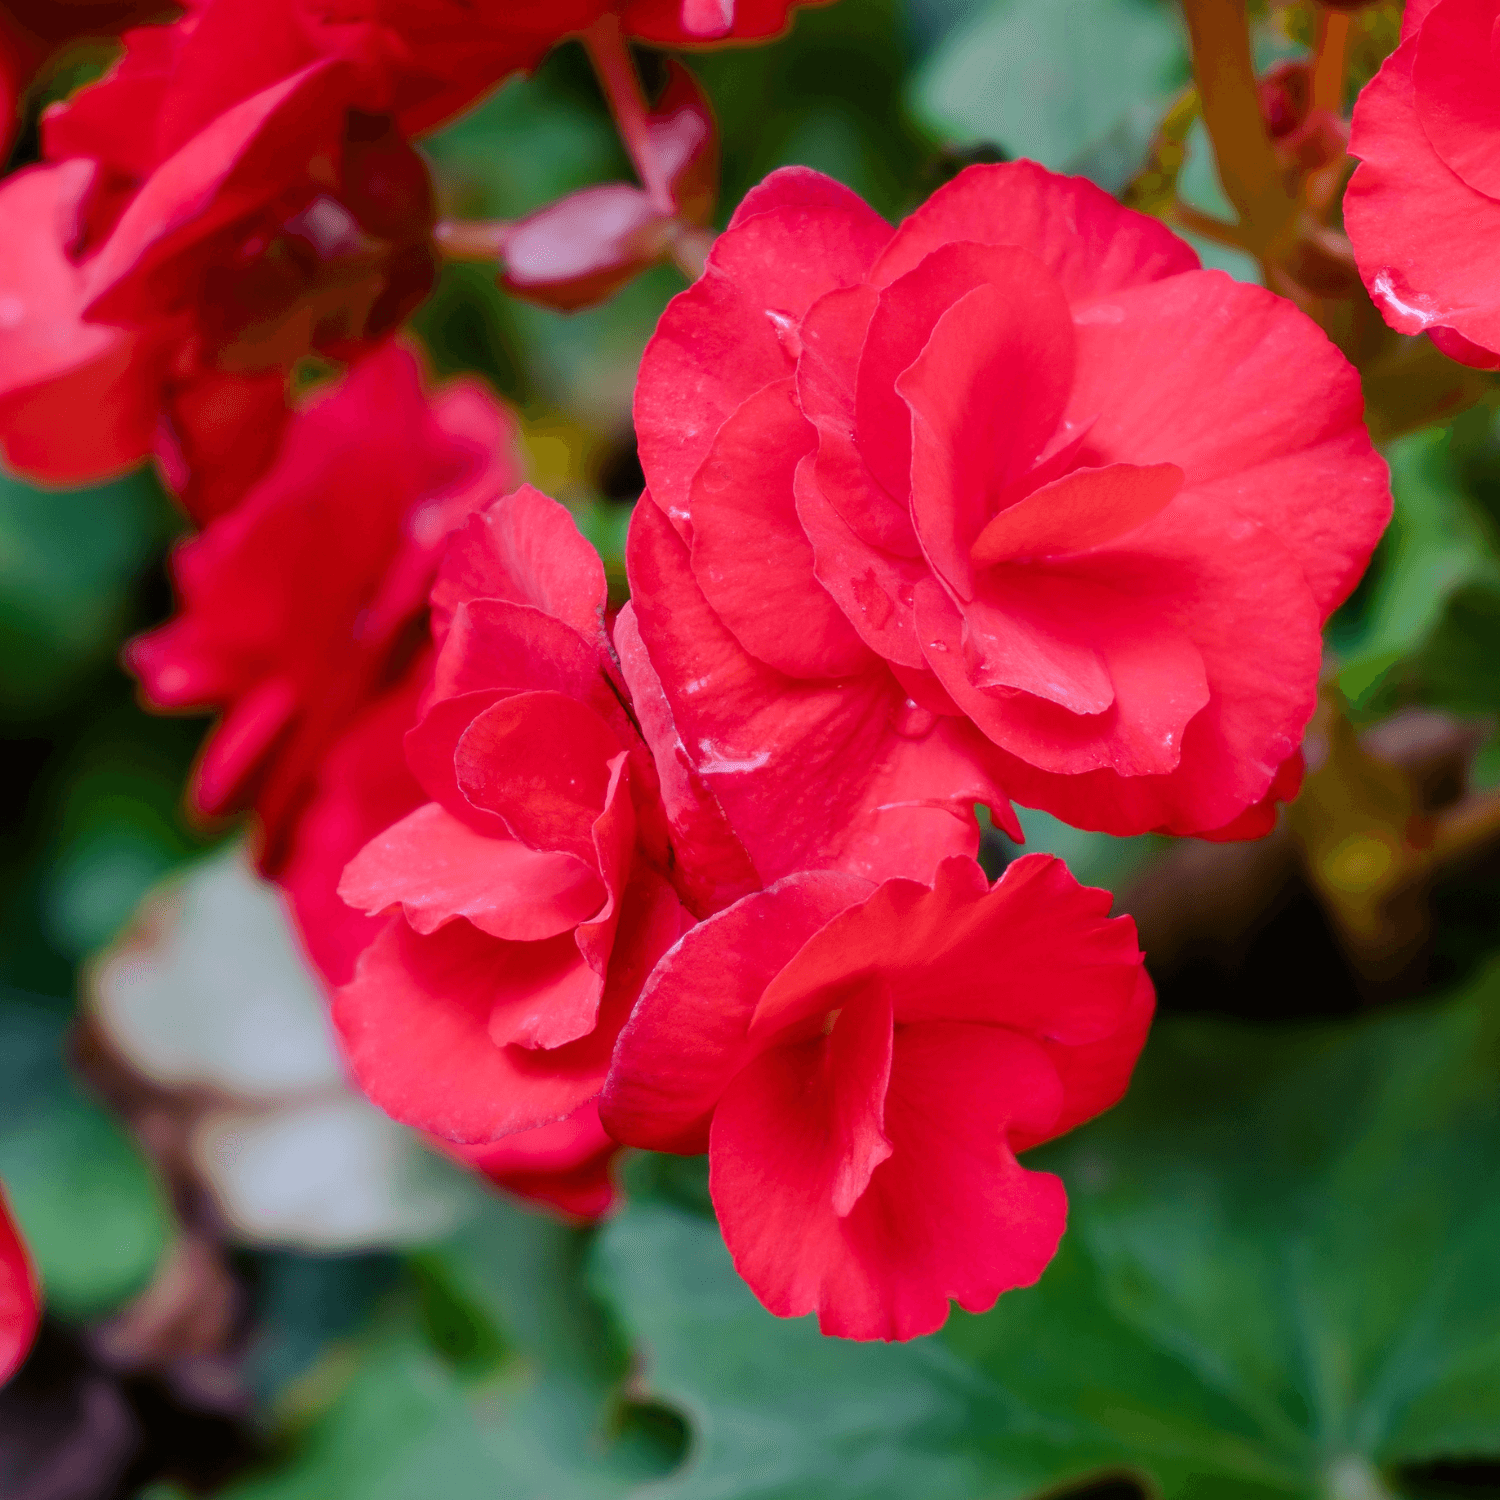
(528, 900)
(20, 1301)
(1012, 501)
(1423, 208)
(363, 786)
(307, 602)
(863, 1062)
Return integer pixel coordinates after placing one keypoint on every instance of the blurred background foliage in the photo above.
(1281, 1277)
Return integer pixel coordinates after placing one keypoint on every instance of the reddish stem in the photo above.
(627, 102)
(471, 239)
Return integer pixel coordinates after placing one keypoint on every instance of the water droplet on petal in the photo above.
(913, 722)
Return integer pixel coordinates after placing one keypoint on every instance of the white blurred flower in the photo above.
(208, 997)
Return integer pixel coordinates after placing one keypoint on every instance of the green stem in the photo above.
(1225, 74)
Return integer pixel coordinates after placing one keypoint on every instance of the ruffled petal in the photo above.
(1087, 240)
(950, 1213)
(743, 507)
(985, 394)
(415, 1025)
(542, 762)
(687, 1037)
(437, 868)
(1016, 359)
(525, 549)
(836, 774)
(1289, 451)
(1068, 974)
(734, 330)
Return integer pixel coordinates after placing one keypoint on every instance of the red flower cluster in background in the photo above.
(1011, 502)
(241, 191)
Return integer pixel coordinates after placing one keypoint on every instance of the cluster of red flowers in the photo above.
(1009, 502)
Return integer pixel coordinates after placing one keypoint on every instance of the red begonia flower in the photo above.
(20, 1300)
(862, 1063)
(986, 506)
(1423, 207)
(529, 898)
(307, 602)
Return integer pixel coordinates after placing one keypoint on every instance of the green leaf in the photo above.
(1280, 1279)
(92, 1212)
(1077, 85)
(67, 559)
(502, 1378)
(1437, 548)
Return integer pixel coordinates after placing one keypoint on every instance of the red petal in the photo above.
(985, 394)
(722, 340)
(686, 1039)
(1083, 509)
(810, 775)
(1072, 673)
(496, 646)
(1026, 324)
(1289, 451)
(1260, 818)
(363, 786)
(525, 549)
(875, 589)
(712, 867)
(1069, 970)
(541, 761)
(235, 164)
(438, 868)
(551, 996)
(1421, 234)
(1221, 583)
(415, 1023)
(1453, 81)
(565, 1165)
(743, 507)
(833, 334)
(1085, 238)
(1096, 1074)
(803, 189)
(949, 1214)
(53, 365)
(430, 748)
